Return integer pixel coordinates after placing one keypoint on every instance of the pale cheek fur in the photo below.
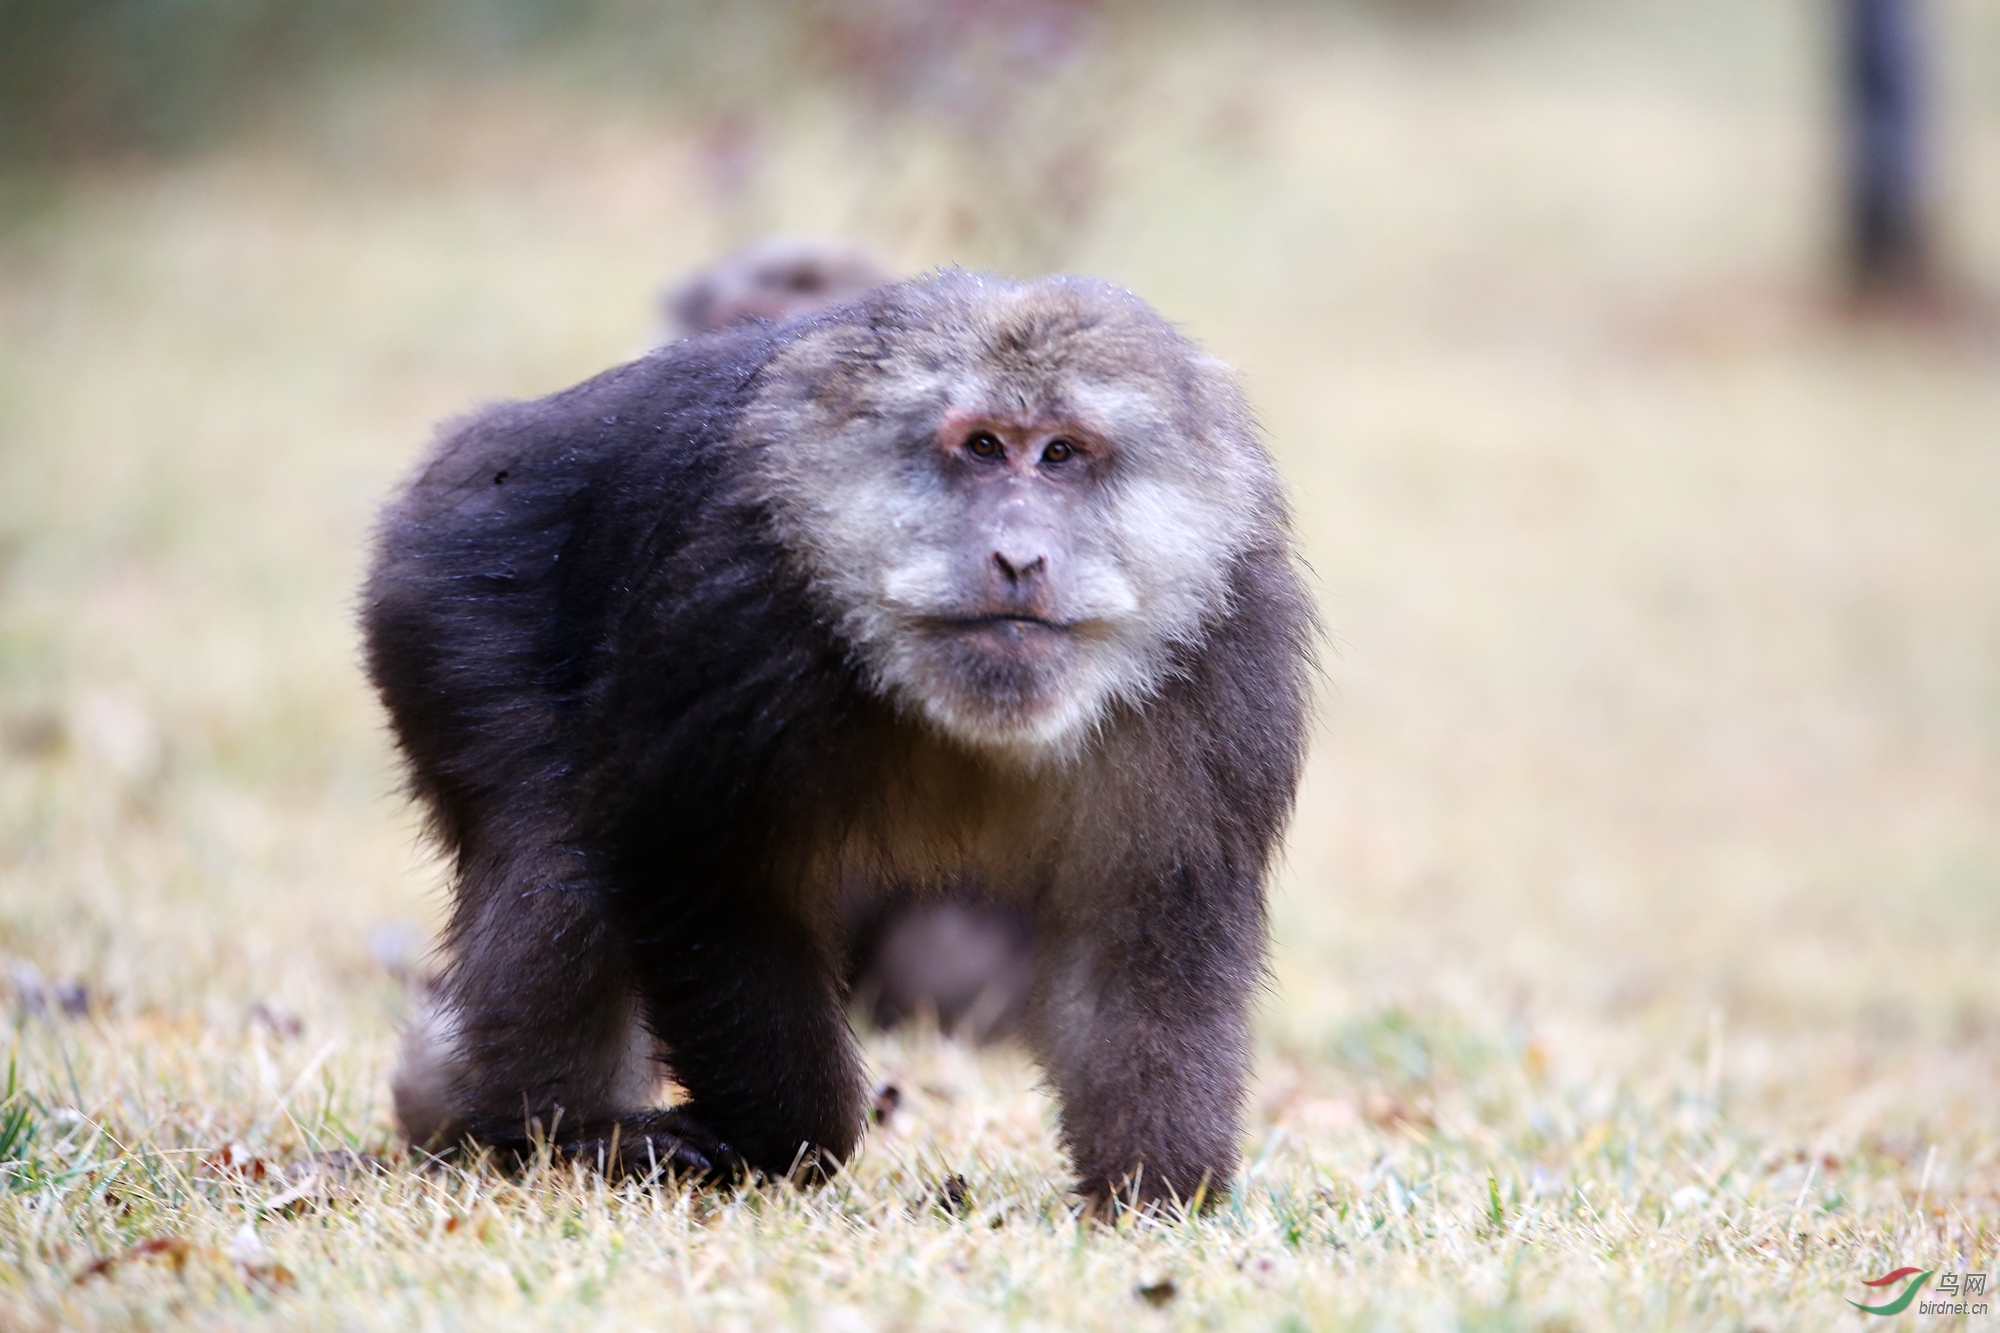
(870, 542)
(1099, 590)
(1177, 543)
(919, 584)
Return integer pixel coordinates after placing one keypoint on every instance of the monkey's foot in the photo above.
(655, 1144)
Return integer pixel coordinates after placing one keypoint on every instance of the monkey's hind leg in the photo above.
(535, 1036)
(423, 1088)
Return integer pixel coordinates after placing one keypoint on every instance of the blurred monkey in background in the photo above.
(778, 278)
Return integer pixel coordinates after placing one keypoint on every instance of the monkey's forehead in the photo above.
(1056, 347)
(1054, 324)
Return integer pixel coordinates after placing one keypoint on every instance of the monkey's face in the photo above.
(1004, 592)
(1017, 504)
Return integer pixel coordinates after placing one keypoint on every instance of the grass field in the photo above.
(1635, 951)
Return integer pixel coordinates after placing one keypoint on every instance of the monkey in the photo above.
(778, 278)
(969, 578)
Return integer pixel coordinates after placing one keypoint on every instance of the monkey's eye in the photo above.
(985, 447)
(1059, 451)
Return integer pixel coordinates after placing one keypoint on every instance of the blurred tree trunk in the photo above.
(1887, 221)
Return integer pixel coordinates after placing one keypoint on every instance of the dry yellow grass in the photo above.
(1636, 947)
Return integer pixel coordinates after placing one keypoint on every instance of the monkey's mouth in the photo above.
(1005, 620)
(1019, 638)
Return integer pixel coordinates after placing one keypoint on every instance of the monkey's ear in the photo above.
(1221, 390)
(1216, 368)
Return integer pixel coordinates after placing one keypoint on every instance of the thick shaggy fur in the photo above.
(670, 656)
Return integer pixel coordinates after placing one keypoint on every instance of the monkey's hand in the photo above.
(656, 1144)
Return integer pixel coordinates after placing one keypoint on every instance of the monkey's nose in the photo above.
(1019, 566)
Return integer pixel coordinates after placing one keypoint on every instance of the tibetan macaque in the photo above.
(778, 279)
(967, 581)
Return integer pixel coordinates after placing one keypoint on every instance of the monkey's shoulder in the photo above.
(637, 425)
(517, 567)
(1230, 719)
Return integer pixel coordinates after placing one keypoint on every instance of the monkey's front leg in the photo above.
(536, 1034)
(653, 1143)
(750, 1011)
(1140, 1018)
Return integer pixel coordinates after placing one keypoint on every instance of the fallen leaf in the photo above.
(235, 1160)
(172, 1248)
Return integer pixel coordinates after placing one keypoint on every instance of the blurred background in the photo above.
(1648, 468)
